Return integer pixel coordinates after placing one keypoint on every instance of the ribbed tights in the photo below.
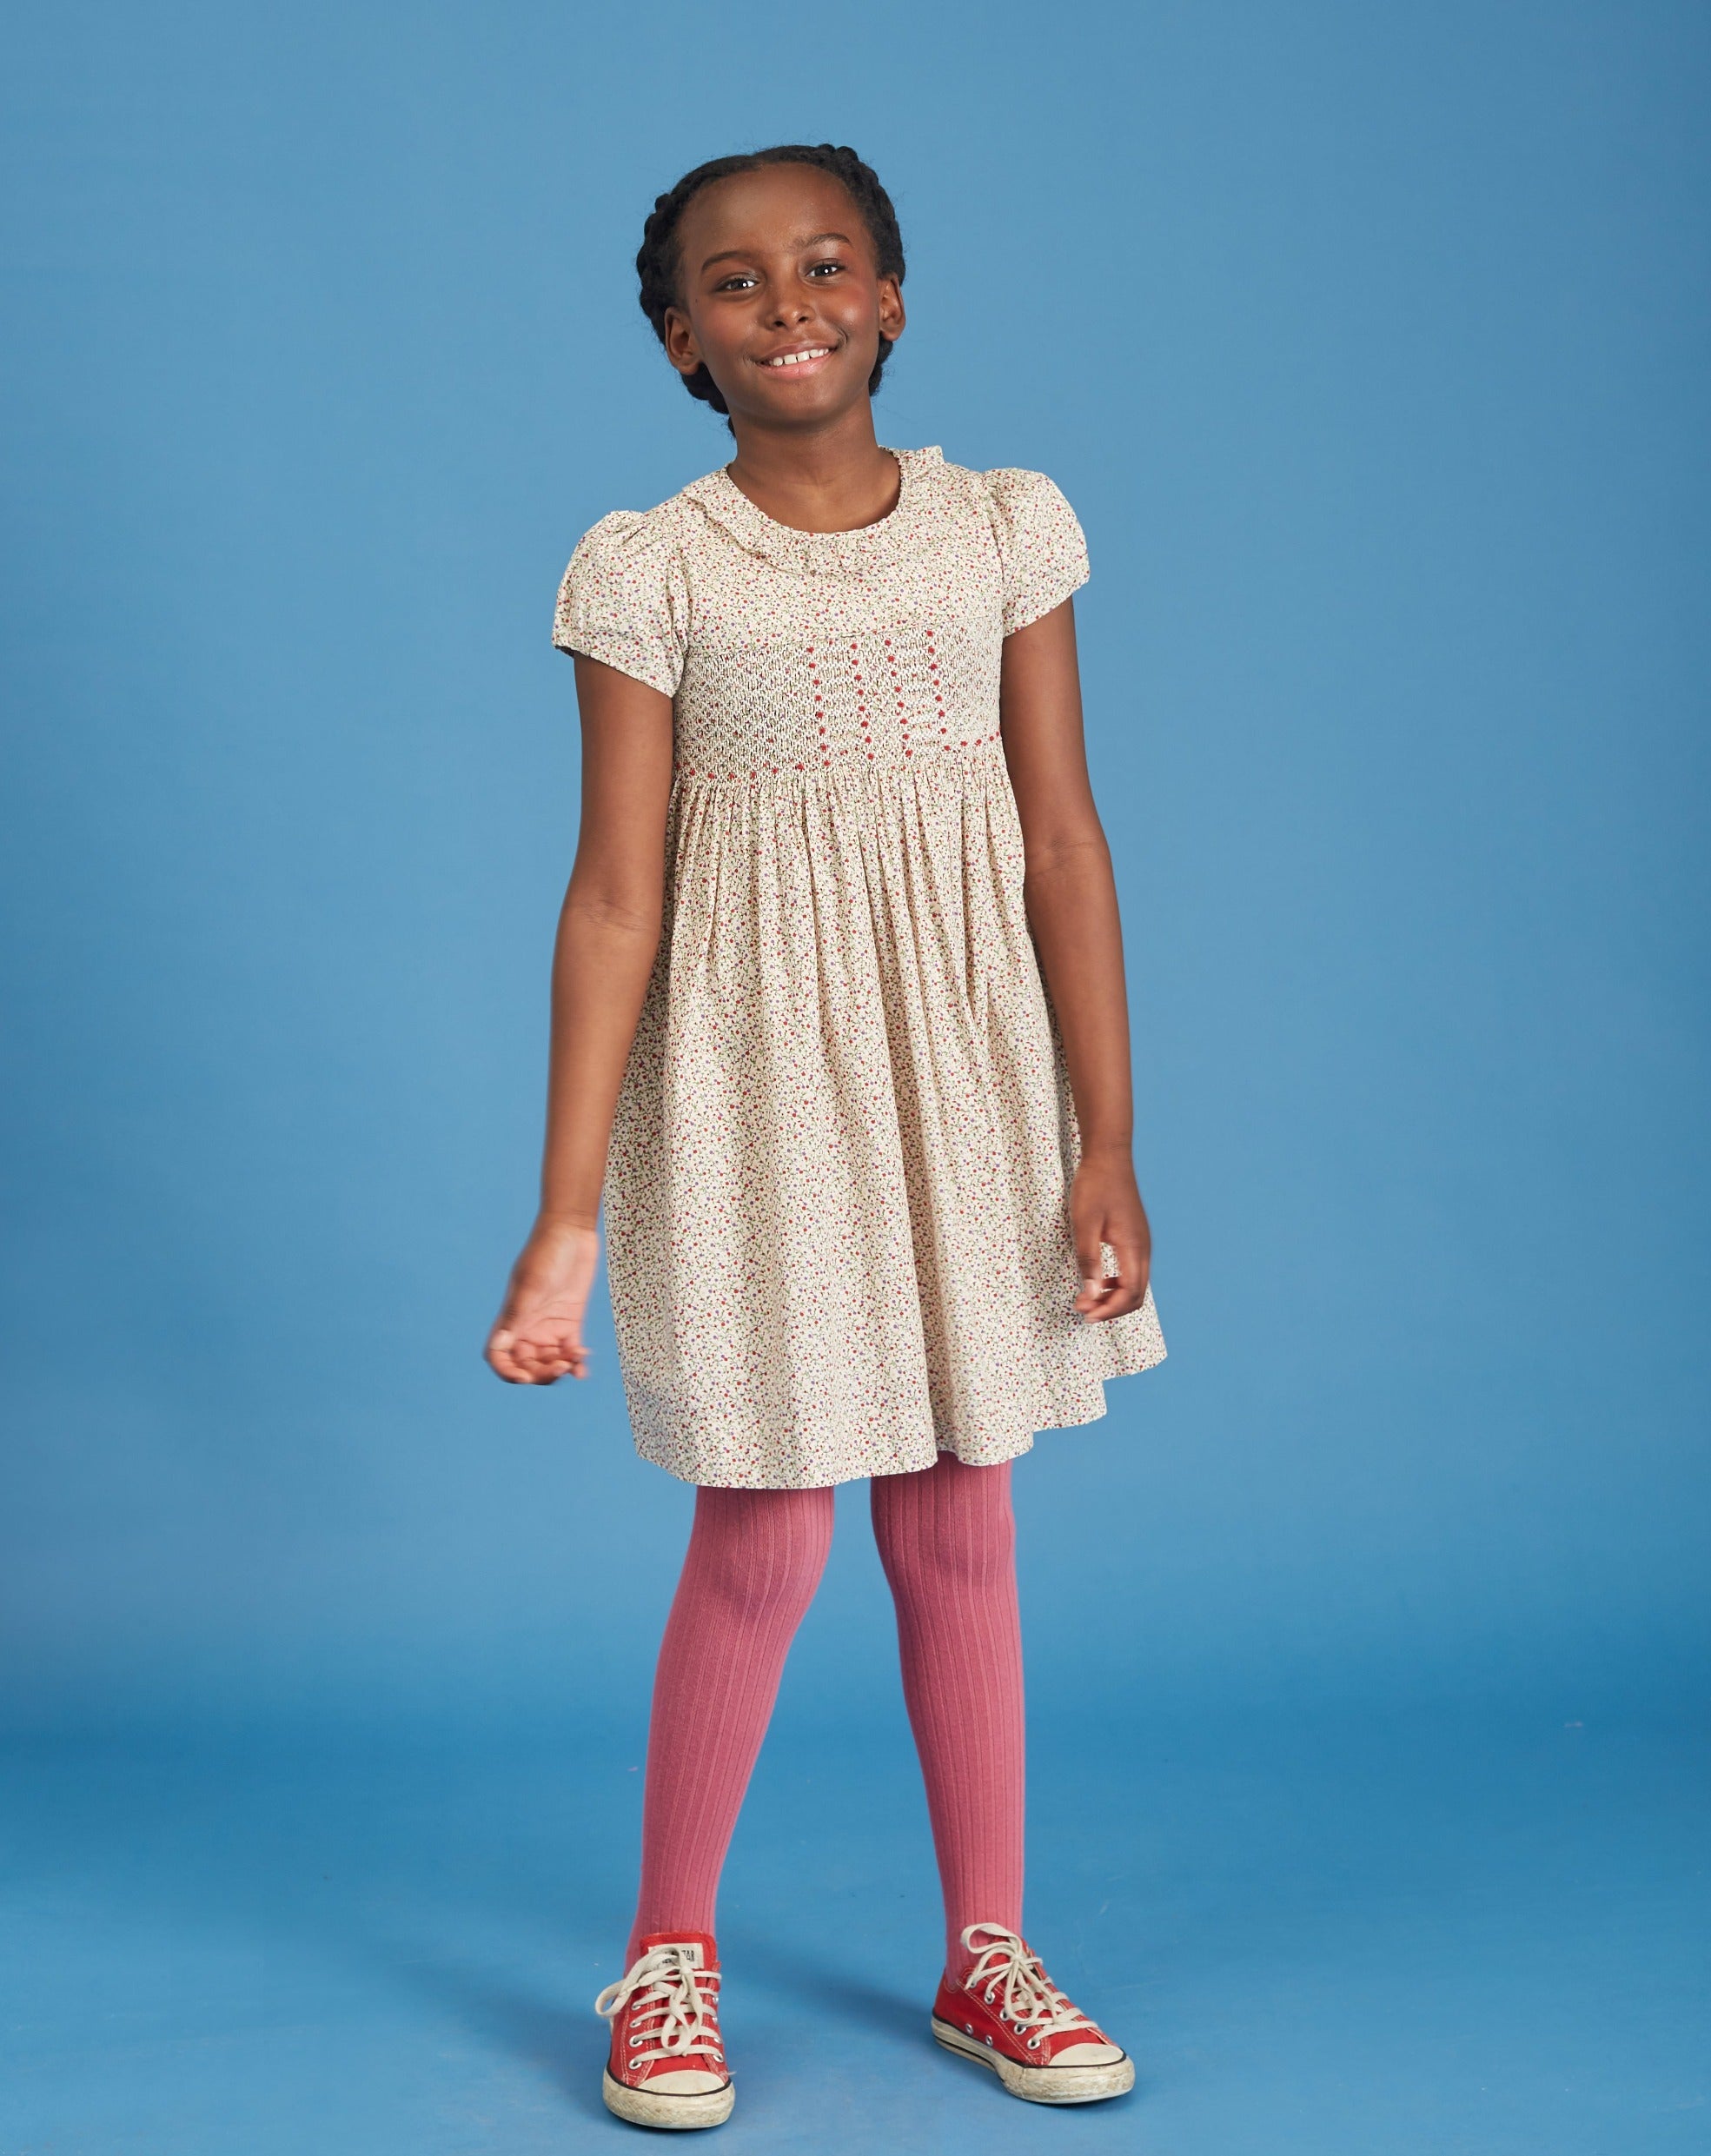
(947, 1541)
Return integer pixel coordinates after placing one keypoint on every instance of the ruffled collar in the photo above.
(911, 527)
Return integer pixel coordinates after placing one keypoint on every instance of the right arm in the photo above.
(608, 939)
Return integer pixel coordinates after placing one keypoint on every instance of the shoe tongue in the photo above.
(972, 1956)
(696, 1945)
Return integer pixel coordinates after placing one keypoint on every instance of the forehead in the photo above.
(769, 210)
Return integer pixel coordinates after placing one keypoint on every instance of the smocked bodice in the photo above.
(827, 652)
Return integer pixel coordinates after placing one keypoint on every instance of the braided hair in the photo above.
(658, 261)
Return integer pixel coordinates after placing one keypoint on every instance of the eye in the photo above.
(815, 268)
(738, 281)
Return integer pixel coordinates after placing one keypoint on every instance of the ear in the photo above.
(682, 349)
(892, 321)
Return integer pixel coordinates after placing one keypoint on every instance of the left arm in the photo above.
(1072, 901)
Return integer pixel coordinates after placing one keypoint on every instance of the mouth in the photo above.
(808, 359)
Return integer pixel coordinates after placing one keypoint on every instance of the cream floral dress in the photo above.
(838, 1233)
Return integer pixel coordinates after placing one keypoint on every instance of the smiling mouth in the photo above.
(800, 359)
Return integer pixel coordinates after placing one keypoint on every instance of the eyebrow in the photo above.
(733, 254)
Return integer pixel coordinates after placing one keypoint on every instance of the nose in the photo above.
(790, 307)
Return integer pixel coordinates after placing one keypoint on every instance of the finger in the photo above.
(1125, 1289)
(567, 1348)
(545, 1358)
(1090, 1257)
(1089, 1264)
(1102, 1292)
(548, 1359)
(527, 1356)
(1134, 1263)
(504, 1364)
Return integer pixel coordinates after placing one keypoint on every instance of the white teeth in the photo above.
(795, 358)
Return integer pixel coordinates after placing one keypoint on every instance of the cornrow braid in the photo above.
(657, 260)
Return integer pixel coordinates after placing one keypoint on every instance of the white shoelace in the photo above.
(1029, 2000)
(674, 1994)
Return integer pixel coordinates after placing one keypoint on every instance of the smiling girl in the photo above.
(839, 1034)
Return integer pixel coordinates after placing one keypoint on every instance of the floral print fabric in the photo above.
(837, 1225)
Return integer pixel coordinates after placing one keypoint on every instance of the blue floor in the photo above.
(1427, 1932)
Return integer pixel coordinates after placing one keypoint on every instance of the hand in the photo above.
(537, 1338)
(1106, 1207)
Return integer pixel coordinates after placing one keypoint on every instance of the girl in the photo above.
(869, 1200)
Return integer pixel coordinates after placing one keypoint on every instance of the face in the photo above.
(781, 295)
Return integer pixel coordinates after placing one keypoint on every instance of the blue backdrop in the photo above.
(1370, 346)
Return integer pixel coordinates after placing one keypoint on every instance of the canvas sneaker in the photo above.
(667, 2065)
(1010, 2015)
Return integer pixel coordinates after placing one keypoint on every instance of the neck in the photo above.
(832, 478)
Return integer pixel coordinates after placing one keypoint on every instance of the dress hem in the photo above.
(1071, 1419)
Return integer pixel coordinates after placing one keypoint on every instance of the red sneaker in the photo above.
(1009, 2014)
(666, 2066)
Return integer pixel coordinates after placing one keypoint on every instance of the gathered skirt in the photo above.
(838, 1232)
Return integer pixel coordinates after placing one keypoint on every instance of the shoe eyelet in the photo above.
(989, 2043)
(1033, 2043)
(987, 1996)
(634, 2042)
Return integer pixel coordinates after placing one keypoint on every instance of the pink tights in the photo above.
(947, 1541)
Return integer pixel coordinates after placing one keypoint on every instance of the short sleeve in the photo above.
(624, 601)
(1041, 543)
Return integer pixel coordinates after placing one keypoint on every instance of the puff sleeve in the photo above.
(624, 600)
(1040, 543)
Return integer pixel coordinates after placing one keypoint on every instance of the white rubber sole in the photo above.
(1042, 2085)
(683, 2114)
